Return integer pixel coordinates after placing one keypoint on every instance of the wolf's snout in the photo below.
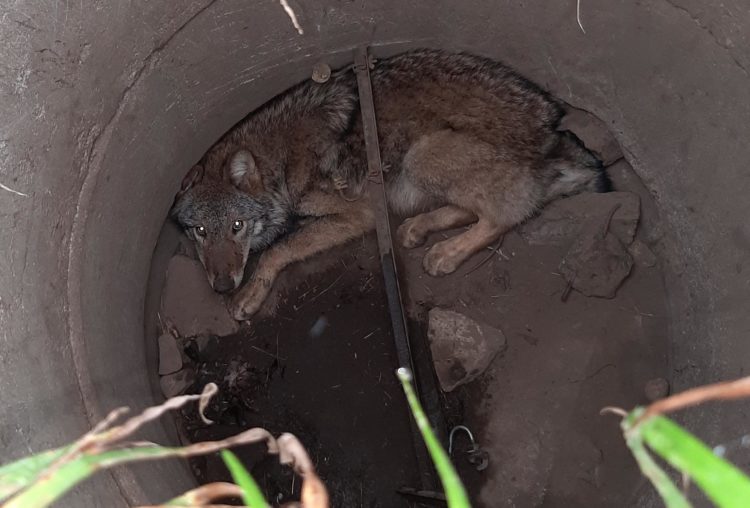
(223, 283)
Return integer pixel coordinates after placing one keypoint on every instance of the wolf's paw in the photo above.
(249, 299)
(438, 261)
(409, 235)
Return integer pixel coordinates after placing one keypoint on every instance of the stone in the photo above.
(563, 220)
(624, 178)
(656, 389)
(462, 349)
(175, 384)
(190, 304)
(642, 254)
(597, 263)
(170, 356)
(594, 134)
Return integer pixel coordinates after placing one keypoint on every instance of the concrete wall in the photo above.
(104, 105)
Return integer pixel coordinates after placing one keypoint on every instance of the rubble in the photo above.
(642, 254)
(176, 383)
(656, 389)
(170, 356)
(189, 302)
(594, 134)
(597, 263)
(563, 220)
(462, 349)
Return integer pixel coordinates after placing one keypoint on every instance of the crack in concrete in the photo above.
(710, 32)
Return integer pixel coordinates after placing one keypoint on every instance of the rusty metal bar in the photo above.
(379, 203)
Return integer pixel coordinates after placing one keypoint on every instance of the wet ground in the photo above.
(319, 362)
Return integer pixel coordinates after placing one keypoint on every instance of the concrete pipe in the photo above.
(104, 105)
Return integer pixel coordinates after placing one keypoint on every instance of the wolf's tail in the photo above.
(573, 168)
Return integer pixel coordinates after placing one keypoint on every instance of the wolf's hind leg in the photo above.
(446, 256)
(413, 232)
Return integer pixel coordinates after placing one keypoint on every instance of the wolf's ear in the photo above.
(244, 173)
(194, 176)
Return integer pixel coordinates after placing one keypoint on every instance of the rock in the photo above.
(641, 253)
(597, 263)
(189, 302)
(461, 348)
(624, 178)
(175, 384)
(563, 220)
(594, 134)
(656, 389)
(170, 356)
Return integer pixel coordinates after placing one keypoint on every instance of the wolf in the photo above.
(465, 140)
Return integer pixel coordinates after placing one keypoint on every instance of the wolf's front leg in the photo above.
(333, 221)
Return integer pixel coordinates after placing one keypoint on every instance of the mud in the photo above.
(319, 362)
(322, 368)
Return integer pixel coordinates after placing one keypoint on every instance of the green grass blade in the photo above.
(454, 489)
(20, 474)
(47, 490)
(669, 493)
(721, 481)
(252, 495)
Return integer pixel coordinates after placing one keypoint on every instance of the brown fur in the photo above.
(465, 140)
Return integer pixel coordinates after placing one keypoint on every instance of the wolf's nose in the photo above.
(223, 283)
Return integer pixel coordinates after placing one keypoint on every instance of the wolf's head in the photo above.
(229, 217)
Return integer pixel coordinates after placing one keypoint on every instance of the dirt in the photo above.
(321, 365)
(323, 368)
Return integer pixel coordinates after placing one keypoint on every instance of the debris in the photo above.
(191, 304)
(461, 348)
(656, 389)
(475, 455)
(292, 16)
(321, 72)
(624, 178)
(175, 384)
(593, 132)
(170, 357)
(641, 253)
(319, 327)
(202, 342)
(564, 219)
(597, 263)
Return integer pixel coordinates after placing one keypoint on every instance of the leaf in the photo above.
(454, 489)
(721, 481)
(669, 493)
(291, 452)
(251, 494)
(52, 485)
(22, 473)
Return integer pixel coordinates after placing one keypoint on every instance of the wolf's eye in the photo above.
(200, 230)
(237, 226)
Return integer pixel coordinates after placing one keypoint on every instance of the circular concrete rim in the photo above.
(141, 92)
